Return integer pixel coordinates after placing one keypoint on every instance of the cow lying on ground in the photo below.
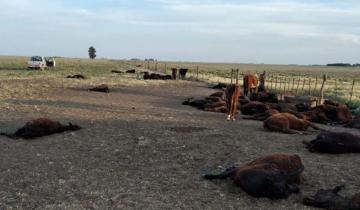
(131, 71)
(334, 143)
(219, 86)
(101, 88)
(253, 107)
(207, 105)
(262, 116)
(117, 72)
(329, 114)
(275, 176)
(76, 76)
(330, 199)
(154, 76)
(287, 123)
(265, 97)
(354, 123)
(41, 127)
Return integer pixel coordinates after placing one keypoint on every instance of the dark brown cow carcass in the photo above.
(275, 176)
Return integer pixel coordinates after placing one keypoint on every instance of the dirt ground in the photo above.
(141, 149)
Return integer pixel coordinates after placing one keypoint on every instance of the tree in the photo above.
(92, 52)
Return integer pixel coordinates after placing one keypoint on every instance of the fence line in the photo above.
(282, 83)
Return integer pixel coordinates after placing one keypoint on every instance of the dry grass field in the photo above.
(139, 147)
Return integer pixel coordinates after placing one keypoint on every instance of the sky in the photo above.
(249, 31)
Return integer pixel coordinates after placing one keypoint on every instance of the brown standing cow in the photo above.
(250, 84)
(232, 96)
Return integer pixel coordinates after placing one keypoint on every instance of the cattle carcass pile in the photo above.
(155, 76)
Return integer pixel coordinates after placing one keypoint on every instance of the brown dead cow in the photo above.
(334, 143)
(76, 76)
(287, 123)
(253, 107)
(275, 176)
(330, 199)
(41, 127)
(232, 93)
(354, 123)
(101, 88)
(330, 114)
(262, 116)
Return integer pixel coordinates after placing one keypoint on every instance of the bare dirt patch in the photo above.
(141, 149)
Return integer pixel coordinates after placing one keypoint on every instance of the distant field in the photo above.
(286, 78)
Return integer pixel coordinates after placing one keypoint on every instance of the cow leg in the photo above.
(234, 108)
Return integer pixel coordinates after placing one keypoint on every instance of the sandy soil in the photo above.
(141, 149)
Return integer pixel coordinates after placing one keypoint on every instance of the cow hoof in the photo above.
(228, 118)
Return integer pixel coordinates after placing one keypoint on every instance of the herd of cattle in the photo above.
(274, 176)
(278, 175)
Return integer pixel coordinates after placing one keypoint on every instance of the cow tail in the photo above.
(314, 126)
(225, 174)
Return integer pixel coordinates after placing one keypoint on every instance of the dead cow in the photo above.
(330, 199)
(287, 123)
(335, 143)
(131, 71)
(41, 127)
(232, 93)
(262, 116)
(265, 97)
(253, 107)
(117, 72)
(182, 73)
(76, 76)
(355, 123)
(339, 114)
(101, 88)
(275, 176)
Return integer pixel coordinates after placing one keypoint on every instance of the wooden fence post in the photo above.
(276, 83)
(284, 86)
(165, 68)
(316, 83)
(303, 87)
(309, 86)
(197, 72)
(336, 88)
(321, 99)
(298, 86)
(293, 85)
(352, 90)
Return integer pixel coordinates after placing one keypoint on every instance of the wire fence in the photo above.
(285, 84)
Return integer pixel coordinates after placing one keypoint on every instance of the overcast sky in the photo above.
(250, 31)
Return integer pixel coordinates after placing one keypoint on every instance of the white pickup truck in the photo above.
(39, 62)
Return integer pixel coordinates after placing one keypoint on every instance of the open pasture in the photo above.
(139, 147)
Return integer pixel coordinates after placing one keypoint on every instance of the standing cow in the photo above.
(250, 84)
(182, 73)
